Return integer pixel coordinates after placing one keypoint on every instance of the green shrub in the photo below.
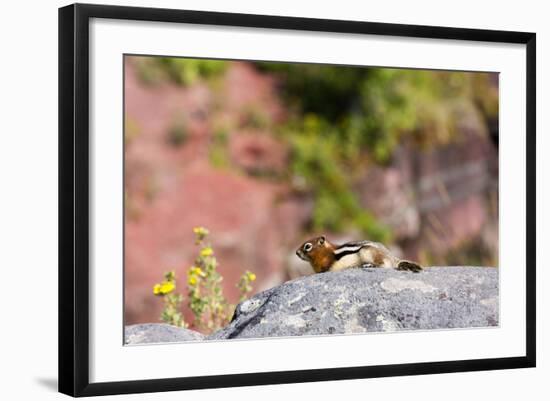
(218, 153)
(177, 133)
(255, 117)
(343, 118)
(183, 71)
(378, 107)
(149, 71)
(322, 163)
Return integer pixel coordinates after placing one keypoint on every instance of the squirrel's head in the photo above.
(318, 252)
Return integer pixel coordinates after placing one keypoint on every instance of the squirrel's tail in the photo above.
(408, 265)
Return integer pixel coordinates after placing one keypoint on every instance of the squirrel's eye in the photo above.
(307, 247)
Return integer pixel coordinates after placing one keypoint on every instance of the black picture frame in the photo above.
(74, 193)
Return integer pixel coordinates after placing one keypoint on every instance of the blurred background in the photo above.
(266, 155)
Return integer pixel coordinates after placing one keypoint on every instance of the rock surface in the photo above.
(370, 300)
(354, 301)
(158, 333)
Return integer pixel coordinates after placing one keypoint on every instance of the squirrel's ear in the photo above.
(321, 240)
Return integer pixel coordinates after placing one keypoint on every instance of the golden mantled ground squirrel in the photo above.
(325, 256)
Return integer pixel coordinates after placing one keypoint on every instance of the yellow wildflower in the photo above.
(207, 251)
(192, 280)
(167, 287)
(251, 276)
(201, 233)
(200, 230)
(156, 289)
(164, 288)
(196, 271)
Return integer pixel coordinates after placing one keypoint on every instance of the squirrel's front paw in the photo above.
(368, 265)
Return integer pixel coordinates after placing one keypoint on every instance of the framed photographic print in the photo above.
(277, 199)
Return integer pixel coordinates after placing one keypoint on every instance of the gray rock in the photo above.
(370, 300)
(158, 333)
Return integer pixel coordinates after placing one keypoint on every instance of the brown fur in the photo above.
(321, 256)
(378, 258)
